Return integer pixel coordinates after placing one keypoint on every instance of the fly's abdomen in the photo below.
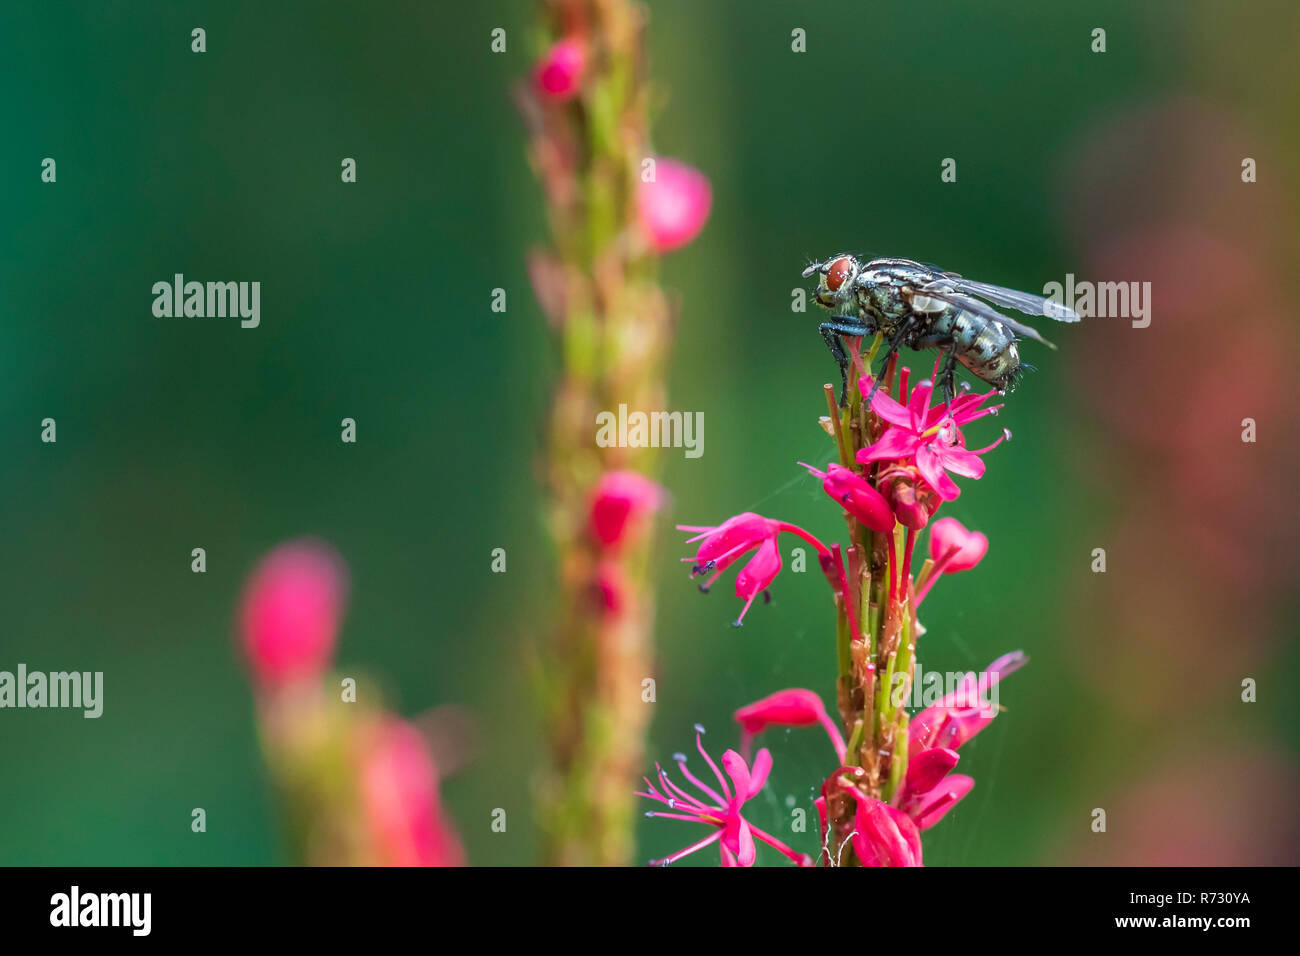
(987, 348)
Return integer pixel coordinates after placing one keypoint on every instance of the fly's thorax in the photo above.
(885, 302)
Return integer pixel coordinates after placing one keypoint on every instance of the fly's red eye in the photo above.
(840, 270)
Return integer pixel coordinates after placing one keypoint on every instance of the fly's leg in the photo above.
(831, 332)
(948, 375)
(895, 341)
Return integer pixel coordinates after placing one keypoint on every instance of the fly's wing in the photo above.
(1020, 301)
(943, 291)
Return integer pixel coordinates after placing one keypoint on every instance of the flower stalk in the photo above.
(613, 208)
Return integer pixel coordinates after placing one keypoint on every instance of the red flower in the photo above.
(929, 438)
(724, 544)
(929, 790)
(882, 835)
(718, 808)
(952, 549)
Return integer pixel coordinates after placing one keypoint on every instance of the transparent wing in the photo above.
(1020, 301)
(944, 292)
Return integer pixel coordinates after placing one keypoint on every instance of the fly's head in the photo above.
(835, 282)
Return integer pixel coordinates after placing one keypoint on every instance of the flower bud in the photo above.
(857, 496)
(674, 207)
(558, 75)
(290, 612)
(399, 792)
(620, 503)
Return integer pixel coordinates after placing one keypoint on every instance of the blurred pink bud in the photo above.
(290, 612)
(675, 206)
(957, 549)
(399, 792)
(559, 73)
(620, 503)
(610, 589)
(857, 496)
(795, 707)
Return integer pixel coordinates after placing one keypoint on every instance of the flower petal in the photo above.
(738, 771)
(759, 772)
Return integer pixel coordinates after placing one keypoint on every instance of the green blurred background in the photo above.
(183, 433)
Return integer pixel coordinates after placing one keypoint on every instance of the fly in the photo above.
(923, 307)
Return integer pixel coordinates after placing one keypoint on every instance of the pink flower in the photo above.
(929, 438)
(858, 498)
(674, 206)
(726, 543)
(559, 73)
(882, 835)
(953, 549)
(620, 503)
(928, 790)
(290, 611)
(961, 715)
(720, 808)
(795, 707)
(400, 802)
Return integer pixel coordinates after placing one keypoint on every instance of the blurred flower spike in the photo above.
(674, 205)
(357, 785)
